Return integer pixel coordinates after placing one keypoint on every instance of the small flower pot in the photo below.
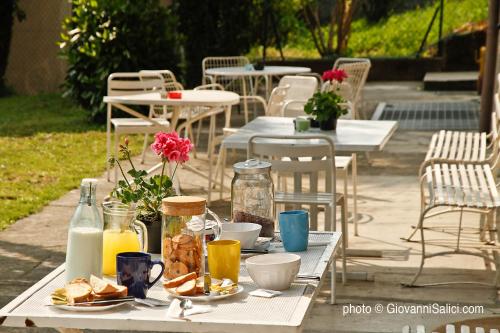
(154, 235)
(258, 66)
(328, 125)
(314, 123)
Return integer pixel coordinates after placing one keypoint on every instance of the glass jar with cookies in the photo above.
(183, 235)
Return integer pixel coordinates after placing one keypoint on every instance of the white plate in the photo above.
(204, 298)
(88, 308)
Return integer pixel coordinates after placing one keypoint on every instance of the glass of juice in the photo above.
(120, 234)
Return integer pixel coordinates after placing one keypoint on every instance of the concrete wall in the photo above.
(34, 65)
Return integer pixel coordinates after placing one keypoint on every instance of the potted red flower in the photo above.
(328, 105)
(148, 191)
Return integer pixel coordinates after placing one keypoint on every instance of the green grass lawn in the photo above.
(398, 35)
(46, 147)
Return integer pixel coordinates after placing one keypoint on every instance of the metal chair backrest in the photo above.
(357, 70)
(132, 84)
(296, 154)
(301, 87)
(170, 82)
(277, 101)
(229, 83)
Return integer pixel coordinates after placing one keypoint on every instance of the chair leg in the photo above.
(333, 283)
(482, 227)
(421, 227)
(345, 208)
(354, 172)
(144, 147)
(198, 130)
(222, 156)
(343, 222)
(116, 155)
(491, 226)
(190, 135)
(313, 210)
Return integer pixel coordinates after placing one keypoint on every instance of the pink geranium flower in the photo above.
(171, 147)
(335, 74)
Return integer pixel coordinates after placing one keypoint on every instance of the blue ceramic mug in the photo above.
(133, 270)
(294, 230)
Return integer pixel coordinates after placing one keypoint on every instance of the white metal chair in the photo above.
(301, 88)
(447, 187)
(459, 147)
(464, 147)
(131, 84)
(271, 108)
(170, 82)
(357, 70)
(342, 165)
(243, 86)
(450, 328)
(296, 155)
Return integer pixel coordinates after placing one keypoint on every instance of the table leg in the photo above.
(333, 283)
(313, 184)
(245, 103)
(355, 192)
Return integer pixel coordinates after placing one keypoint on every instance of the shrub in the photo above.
(102, 37)
(213, 28)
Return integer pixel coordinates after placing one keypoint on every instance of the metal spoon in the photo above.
(184, 305)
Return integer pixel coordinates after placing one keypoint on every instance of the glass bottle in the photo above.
(84, 251)
(252, 195)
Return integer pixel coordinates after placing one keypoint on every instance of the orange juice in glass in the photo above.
(119, 234)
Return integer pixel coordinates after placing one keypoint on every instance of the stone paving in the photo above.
(388, 206)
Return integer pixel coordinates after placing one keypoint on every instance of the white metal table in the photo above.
(268, 72)
(351, 136)
(241, 313)
(190, 98)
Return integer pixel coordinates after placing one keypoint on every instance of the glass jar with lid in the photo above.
(183, 235)
(252, 195)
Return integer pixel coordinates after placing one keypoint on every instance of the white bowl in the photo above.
(246, 233)
(275, 271)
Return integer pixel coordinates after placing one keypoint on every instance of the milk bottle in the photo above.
(84, 251)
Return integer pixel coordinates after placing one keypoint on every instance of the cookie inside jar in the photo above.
(182, 236)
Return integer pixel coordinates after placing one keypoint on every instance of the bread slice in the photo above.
(199, 286)
(101, 286)
(179, 280)
(122, 291)
(77, 292)
(187, 288)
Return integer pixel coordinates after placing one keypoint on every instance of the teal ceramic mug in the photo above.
(294, 230)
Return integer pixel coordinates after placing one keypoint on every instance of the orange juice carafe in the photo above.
(183, 235)
(120, 234)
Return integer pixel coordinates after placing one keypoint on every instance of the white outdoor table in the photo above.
(241, 313)
(268, 72)
(351, 136)
(190, 98)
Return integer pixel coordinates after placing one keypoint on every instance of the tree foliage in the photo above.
(213, 28)
(339, 26)
(102, 37)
